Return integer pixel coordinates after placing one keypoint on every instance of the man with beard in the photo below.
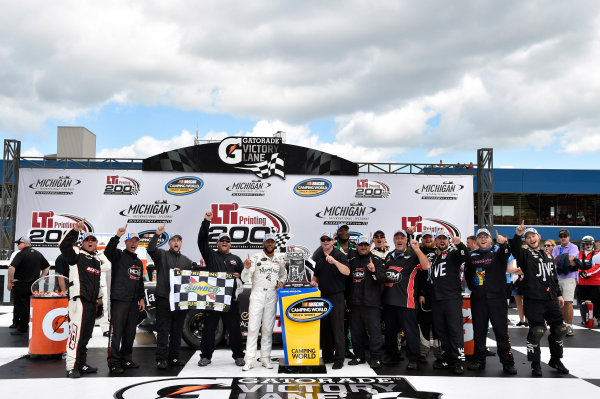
(447, 301)
(485, 272)
(126, 300)
(367, 274)
(267, 272)
(400, 298)
(331, 270)
(380, 242)
(221, 260)
(169, 323)
(542, 299)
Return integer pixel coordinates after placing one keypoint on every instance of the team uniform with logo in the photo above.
(540, 290)
(485, 272)
(126, 290)
(425, 311)
(84, 288)
(265, 273)
(400, 299)
(365, 300)
(220, 263)
(447, 302)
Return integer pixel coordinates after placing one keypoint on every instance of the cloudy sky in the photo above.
(376, 81)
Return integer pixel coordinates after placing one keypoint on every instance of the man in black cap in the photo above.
(169, 324)
(26, 267)
(331, 269)
(221, 260)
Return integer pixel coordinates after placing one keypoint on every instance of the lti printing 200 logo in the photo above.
(447, 190)
(308, 309)
(63, 185)
(254, 188)
(121, 185)
(312, 187)
(157, 212)
(48, 228)
(366, 188)
(247, 225)
(275, 387)
(146, 235)
(262, 156)
(354, 214)
(185, 185)
(422, 224)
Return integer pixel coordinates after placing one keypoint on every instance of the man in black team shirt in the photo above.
(331, 270)
(447, 301)
(400, 298)
(542, 299)
(485, 273)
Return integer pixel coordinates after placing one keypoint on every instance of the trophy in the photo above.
(295, 259)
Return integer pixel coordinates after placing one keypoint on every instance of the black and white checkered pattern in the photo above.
(268, 168)
(281, 240)
(184, 297)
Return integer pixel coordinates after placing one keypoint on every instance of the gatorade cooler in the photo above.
(49, 325)
(468, 325)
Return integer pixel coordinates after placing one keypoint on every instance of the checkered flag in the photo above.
(281, 239)
(265, 169)
(201, 290)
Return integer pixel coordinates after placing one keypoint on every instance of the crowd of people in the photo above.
(413, 287)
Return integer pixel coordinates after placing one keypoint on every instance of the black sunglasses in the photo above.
(562, 236)
(378, 236)
(224, 240)
(325, 239)
(548, 245)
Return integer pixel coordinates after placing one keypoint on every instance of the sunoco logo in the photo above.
(63, 185)
(354, 214)
(185, 185)
(202, 288)
(308, 309)
(366, 188)
(247, 225)
(275, 387)
(159, 211)
(121, 185)
(146, 235)
(312, 187)
(254, 188)
(447, 190)
(48, 228)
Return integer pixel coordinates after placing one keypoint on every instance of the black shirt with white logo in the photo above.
(445, 273)
(126, 273)
(401, 284)
(365, 284)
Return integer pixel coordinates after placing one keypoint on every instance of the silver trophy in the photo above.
(295, 258)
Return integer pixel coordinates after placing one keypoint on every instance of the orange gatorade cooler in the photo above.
(468, 325)
(48, 325)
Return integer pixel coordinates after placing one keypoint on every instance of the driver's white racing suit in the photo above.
(265, 273)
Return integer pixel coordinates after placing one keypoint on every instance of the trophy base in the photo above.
(306, 369)
(297, 284)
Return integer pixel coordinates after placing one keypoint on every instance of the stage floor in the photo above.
(22, 377)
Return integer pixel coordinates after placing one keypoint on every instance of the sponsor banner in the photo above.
(243, 206)
(275, 387)
(62, 185)
(200, 290)
(444, 191)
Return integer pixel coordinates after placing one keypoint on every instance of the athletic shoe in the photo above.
(522, 324)
(248, 366)
(536, 369)
(266, 363)
(570, 332)
(338, 364)
(176, 363)
(375, 364)
(106, 334)
(412, 365)
(239, 361)
(87, 369)
(557, 364)
(13, 325)
(458, 368)
(117, 369)
(162, 364)
(476, 366)
(509, 369)
(356, 361)
(130, 364)
(440, 364)
(204, 361)
(73, 373)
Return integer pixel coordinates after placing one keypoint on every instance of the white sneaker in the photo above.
(266, 363)
(248, 366)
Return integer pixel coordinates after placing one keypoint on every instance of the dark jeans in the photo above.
(169, 328)
(231, 320)
(332, 328)
(366, 318)
(123, 322)
(398, 318)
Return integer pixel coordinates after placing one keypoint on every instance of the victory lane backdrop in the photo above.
(200, 290)
(296, 209)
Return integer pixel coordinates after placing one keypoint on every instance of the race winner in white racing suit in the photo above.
(267, 272)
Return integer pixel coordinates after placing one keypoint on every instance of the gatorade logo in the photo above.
(308, 309)
(55, 325)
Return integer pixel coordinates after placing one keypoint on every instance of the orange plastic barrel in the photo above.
(468, 325)
(49, 326)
